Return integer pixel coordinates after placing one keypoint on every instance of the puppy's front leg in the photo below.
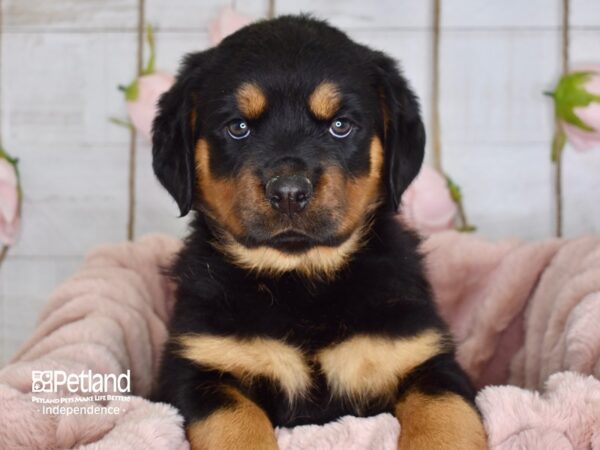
(238, 423)
(436, 412)
(218, 415)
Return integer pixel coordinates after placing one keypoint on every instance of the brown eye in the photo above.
(238, 129)
(340, 128)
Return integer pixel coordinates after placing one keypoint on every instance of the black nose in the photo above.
(289, 194)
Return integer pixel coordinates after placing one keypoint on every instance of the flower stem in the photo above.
(3, 253)
(457, 198)
(558, 199)
(557, 152)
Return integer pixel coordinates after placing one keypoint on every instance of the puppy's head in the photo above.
(288, 137)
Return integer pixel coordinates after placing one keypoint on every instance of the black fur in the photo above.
(381, 291)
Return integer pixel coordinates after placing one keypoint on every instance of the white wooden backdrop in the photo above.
(61, 61)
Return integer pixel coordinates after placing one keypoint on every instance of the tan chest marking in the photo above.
(366, 366)
(249, 358)
(317, 262)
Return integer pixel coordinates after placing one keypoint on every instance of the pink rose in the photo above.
(9, 201)
(577, 99)
(228, 22)
(427, 205)
(142, 110)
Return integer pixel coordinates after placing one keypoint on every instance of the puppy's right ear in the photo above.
(175, 131)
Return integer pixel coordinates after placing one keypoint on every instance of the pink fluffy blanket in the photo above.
(525, 314)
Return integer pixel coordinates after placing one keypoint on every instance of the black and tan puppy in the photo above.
(300, 297)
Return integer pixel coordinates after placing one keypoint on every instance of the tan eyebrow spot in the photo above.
(325, 100)
(251, 100)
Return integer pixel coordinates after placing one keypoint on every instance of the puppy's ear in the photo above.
(404, 133)
(175, 130)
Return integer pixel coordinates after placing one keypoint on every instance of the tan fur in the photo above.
(330, 192)
(361, 197)
(218, 195)
(242, 425)
(249, 358)
(317, 262)
(251, 100)
(325, 101)
(363, 193)
(364, 366)
(444, 422)
(232, 202)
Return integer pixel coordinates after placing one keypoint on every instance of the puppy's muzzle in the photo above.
(289, 194)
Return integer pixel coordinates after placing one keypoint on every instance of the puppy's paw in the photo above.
(240, 425)
(442, 422)
(224, 431)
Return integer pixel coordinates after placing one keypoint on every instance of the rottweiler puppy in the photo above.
(301, 298)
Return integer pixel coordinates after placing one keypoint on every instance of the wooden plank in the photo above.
(71, 15)
(497, 126)
(192, 16)
(507, 187)
(585, 13)
(67, 91)
(74, 198)
(530, 14)
(172, 47)
(492, 86)
(55, 119)
(359, 14)
(77, 15)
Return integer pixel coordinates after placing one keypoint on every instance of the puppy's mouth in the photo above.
(294, 241)
(291, 241)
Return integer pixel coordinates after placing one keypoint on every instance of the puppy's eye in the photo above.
(238, 129)
(340, 128)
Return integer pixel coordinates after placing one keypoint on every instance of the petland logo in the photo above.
(52, 381)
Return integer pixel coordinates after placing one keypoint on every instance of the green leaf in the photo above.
(468, 228)
(558, 142)
(457, 198)
(4, 155)
(454, 189)
(570, 94)
(132, 91)
(121, 122)
(14, 161)
(151, 46)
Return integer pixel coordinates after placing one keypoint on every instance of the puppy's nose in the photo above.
(289, 194)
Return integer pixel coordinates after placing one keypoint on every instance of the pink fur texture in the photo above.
(522, 313)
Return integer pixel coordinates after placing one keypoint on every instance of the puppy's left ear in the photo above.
(404, 133)
(174, 132)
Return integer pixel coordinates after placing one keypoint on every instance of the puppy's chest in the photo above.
(356, 370)
(305, 349)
